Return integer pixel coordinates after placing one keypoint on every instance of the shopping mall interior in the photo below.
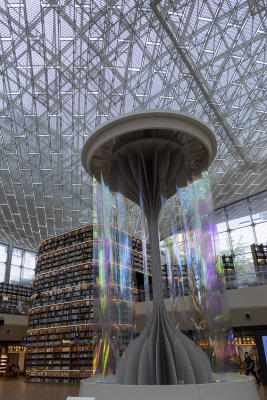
(133, 198)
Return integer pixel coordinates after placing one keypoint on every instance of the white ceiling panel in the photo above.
(67, 66)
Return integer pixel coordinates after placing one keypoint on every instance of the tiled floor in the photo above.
(19, 389)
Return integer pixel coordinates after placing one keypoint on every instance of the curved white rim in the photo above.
(151, 119)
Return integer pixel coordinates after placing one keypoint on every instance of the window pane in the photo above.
(15, 275)
(244, 266)
(2, 271)
(261, 232)
(3, 253)
(29, 260)
(259, 217)
(224, 243)
(238, 215)
(258, 203)
(220, 220)
(27, 276)
(242, 239)
(16, 257)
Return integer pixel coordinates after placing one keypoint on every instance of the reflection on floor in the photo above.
(19, 389)
(263, 392)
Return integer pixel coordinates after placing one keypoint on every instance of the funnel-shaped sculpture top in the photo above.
(146, 156)
(171, 147)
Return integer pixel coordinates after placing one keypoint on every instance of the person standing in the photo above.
(250, 364)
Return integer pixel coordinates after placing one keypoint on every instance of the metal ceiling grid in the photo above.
(67, 66)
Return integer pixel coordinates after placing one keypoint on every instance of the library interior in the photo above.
(133, 199)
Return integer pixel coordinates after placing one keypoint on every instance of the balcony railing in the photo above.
(9, 308)
(242, 280)
(246, 279)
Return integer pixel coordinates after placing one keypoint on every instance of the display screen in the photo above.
(264, 341)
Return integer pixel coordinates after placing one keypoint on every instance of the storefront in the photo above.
(12, 355)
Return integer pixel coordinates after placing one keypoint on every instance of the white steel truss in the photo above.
(67, 66)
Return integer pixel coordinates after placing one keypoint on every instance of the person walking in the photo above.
(250, 365)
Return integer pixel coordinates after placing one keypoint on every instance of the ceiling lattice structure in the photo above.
(67, 66)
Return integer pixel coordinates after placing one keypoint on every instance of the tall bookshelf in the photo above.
(60, 339)
(229, 271)
(179, 280)
(259, 254)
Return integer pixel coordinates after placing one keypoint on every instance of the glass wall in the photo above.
(21, 268)
(3, 261)
(240, 225)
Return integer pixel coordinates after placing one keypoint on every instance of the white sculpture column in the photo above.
(144, 156)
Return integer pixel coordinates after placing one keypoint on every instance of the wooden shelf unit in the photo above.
(60, 339)
(229, 271)
(3, 363)
(179, 280)
(259, 254)
(228, 267)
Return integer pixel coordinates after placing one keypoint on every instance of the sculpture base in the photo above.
(227, 386)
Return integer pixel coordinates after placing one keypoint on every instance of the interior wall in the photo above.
(248, 307)
(14, 328)
(251, 301)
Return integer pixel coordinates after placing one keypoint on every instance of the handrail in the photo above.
(240, 280)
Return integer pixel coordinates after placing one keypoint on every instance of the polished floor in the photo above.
(263, 392)
(18, 388)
